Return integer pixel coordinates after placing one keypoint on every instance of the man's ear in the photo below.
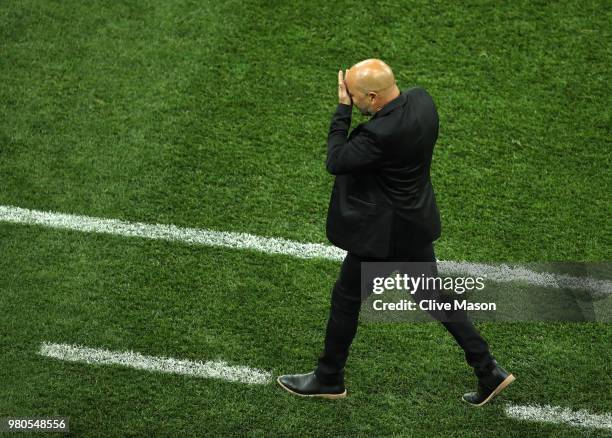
(372, 95)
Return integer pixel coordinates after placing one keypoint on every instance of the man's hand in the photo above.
(343, 95)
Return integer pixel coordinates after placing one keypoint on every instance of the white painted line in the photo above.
(558, 415)
(505, 273)
(209, 369)
(193, 236)
(272, 245)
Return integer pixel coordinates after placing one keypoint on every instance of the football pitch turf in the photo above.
(214, 115)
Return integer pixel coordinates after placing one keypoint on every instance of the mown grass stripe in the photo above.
(275, 245)
(559, 415)
(209, 369)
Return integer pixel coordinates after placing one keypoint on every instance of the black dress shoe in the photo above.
(307, 385)
(489, 386)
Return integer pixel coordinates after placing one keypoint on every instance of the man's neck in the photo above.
(392, 96)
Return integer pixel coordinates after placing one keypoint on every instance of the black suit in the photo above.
(383, 208)
(382, 191)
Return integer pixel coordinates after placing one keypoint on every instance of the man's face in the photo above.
(360, 99)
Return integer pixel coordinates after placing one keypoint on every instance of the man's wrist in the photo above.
(343, 107)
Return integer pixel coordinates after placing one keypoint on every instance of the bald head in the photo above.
(371, 84)
(371, 75)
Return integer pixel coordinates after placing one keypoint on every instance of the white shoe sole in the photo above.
(327, 396)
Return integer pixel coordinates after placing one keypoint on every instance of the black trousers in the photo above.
(344, 315)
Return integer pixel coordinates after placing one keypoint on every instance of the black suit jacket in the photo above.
(382, 196)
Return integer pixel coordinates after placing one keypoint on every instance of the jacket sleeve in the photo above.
(361, 153)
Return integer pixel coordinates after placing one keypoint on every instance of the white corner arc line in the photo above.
(274, 245)
(559, 415)
(209, 369)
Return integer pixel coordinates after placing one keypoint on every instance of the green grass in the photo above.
(215, 115)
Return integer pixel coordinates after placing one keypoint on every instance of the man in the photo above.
(383, 208)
